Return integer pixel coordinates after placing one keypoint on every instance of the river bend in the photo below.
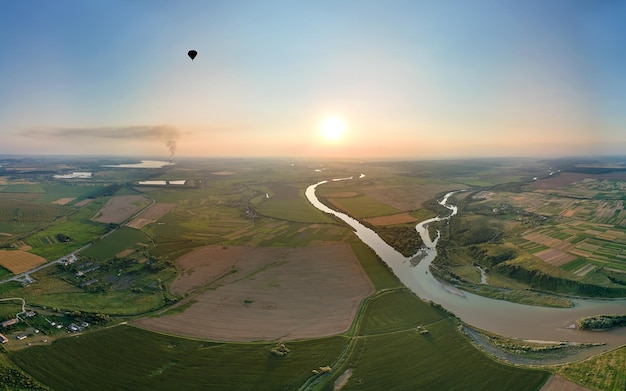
(498, 316)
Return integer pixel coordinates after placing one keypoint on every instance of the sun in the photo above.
(333, 129)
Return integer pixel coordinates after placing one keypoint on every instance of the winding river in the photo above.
(498, 316)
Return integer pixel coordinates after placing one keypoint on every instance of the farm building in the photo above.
(8, 323)
(3, 339)
(69, 260)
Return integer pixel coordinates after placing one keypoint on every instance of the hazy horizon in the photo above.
(400, 79)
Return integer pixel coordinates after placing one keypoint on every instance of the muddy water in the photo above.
(498, 316)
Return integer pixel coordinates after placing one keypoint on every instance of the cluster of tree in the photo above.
(98, 318)
(63, 238)
(156, 265)
(541, 280)
(490, 209)
(280, 350)
(440, 308)
(441, 270)
(601, 322)
(481, 231)
(487, 258)
(435, 206)
(404, 239)
(616, 278)
(13, 379)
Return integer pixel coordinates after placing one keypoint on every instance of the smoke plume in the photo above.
(162, 133)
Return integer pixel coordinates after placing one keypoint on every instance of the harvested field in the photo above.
(84, 202)
(282, 191)
(23, 246)
(555, 257)
(125, 253)
(585, 270)
(120, 208)
(558, 383)
(265, 293)
(150, 215)
(18, 261)
(63, 201)
(399, 218)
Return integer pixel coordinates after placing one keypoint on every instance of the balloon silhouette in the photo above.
(192, 54)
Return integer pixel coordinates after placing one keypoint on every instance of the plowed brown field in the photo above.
(266, 293)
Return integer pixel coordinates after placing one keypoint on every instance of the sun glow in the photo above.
(333, 129)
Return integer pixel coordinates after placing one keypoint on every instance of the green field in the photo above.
(122, 239)
(16, 211)
(44, 243)
(364, 206)
(298, 209)
(23, 188)
(388, 313)
(440, 360)
(604, 372)
(135, 359)
(376, 270)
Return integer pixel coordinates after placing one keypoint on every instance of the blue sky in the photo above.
(410, 79)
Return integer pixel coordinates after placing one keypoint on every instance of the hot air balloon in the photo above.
(192, 54)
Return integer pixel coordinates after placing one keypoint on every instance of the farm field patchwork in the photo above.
(569, 226)
(212, 277)
(600, 246)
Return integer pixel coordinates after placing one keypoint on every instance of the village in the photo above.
(29, 327)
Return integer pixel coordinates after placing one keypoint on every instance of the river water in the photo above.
(498, 316)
